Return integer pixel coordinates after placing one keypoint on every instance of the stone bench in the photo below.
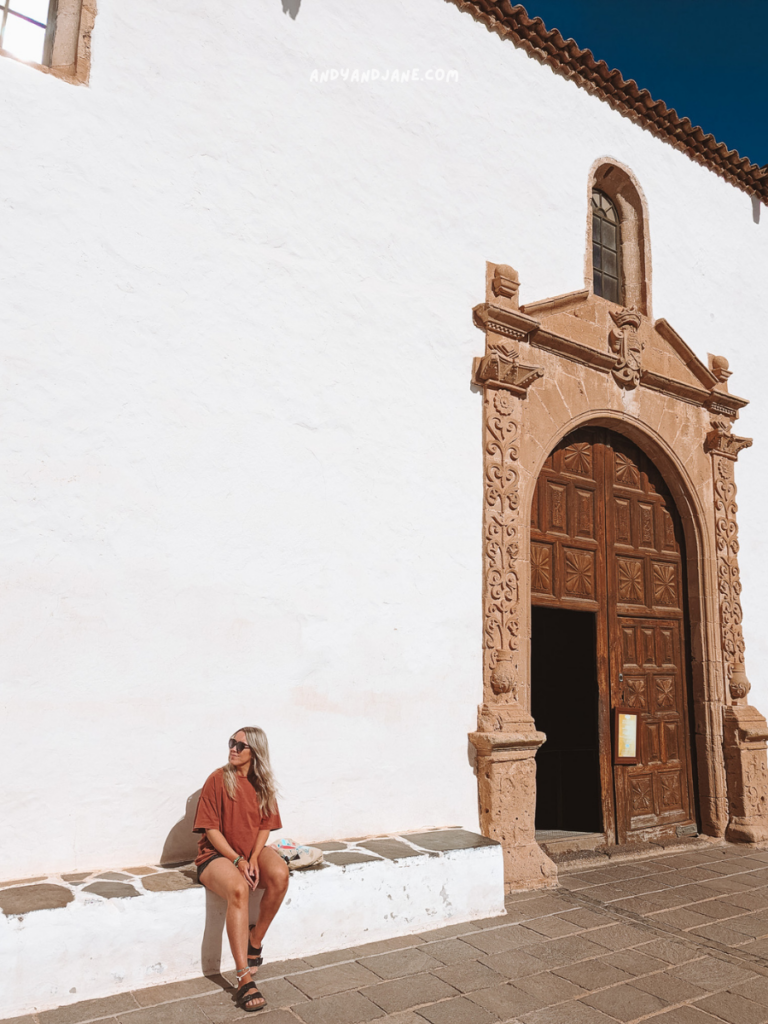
(71, 937)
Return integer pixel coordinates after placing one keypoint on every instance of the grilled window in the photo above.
(26, 29)
(606, 246)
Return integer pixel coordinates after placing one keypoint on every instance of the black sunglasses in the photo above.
(237, 745)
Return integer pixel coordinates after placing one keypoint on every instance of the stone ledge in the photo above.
(101, 940)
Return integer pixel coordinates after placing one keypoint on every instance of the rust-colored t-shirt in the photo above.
(239, 821)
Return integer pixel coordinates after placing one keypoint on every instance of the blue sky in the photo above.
(706, 58)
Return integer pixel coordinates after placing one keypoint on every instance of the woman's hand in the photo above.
(253, 864)
(244, 867)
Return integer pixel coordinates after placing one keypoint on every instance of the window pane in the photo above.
(23, 39)
(609, 235)
(598, 283)
(596, 260)
(610, 265)
(37, 9)
(596, 229)
(611, 289)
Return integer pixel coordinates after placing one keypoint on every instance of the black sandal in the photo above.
(255, 959)
(246, 993)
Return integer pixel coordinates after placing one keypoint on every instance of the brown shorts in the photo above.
(204, 865)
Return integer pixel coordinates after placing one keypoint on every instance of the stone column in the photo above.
(506, 739)
(745, 730)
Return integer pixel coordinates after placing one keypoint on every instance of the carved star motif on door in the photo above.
(665, 693)
(640, 790)
(626, 471)
(664, 584)
(634, 693)
(541, 568)
(578, 573)
(630, 580)
(577, 458)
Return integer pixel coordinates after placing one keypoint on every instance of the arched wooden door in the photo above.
(606, 539)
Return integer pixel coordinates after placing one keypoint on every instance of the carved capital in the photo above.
(721, 441)
(628, 346)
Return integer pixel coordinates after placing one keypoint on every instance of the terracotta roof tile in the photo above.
(511, 21)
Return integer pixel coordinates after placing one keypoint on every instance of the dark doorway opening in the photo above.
(564, 705)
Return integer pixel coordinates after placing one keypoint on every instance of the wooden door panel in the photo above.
(605, 537)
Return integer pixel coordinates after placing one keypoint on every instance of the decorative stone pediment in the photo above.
(637, 352)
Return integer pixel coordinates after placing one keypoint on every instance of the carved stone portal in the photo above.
(546, 371)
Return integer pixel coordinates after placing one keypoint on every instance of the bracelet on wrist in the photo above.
(237, 860)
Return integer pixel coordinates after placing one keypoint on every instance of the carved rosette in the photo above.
(501, 547)
(724, 448)
(628, 346)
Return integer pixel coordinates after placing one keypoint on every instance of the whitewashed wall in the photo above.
(240, 468)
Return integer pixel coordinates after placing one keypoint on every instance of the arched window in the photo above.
(606, 248)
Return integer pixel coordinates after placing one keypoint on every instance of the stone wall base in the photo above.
(70, 938)
(745, 732)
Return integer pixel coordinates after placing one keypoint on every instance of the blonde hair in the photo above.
(260, 772)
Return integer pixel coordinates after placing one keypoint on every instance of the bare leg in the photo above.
(223, 878)
(273, 879)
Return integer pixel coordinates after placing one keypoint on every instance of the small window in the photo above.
(26, 29)
(606, 242)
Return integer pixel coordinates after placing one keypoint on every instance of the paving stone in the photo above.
(685, 1015)
(711, 974)
(560, 952)
(553, 927)
(669, 951)
(114, 876)
(279, 968)
(24, 881)
(548, 988)
(668, 989)
(636, 905)
(167, 881)
(88, 1009)
(681, 918)
(185, 1011)
(450, 931)
(221, 1007)
(755, 926)
(506, 1000)
(567, 1013)
(718, 910)
(348, 857)
(400, 963)
(156, 994)
(619, 936)
(588, 918)
(452, 951)
(757, 899)
(141, 871)
(756, 989)
(78, 876)
(499, 940)
(390, 849)
(723, 934)
(469, 976)
(405, 993)
(334, 956)
(328, 846)
(388, 945)
(634, 962)
(457, 1011)
(406, 1017)
(449, 839)
(25, 899)
(592, 974)
(514, 964)
(625, 1002)
(493, 922)
(734, 1008)
(343, 1008)
(111, 890)
(329, 980)
(19, 1020)
(543, 905)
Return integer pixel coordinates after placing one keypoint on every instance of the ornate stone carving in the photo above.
(729, 582)
(503, 679)
(719, 367)
(506, 282)
(720, 439)
(628, 346)
(745, 733)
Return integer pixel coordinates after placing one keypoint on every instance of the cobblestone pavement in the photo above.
(677, 939)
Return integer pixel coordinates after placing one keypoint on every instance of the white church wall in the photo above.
(241, 467)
